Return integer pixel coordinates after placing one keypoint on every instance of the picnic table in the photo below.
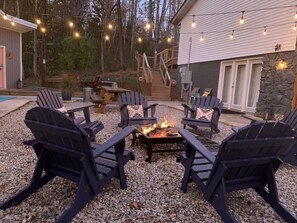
(107, 95)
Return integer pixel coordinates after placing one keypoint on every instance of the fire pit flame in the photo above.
(165, 129)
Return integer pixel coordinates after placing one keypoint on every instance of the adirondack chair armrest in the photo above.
(187, 109)
(217, 110)
(29, 142)
(152, 107)
(123, 106)
(197, 145)
(116, 139)
(84, 108)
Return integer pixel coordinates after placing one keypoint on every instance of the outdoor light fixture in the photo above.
(241, 21)
(193, 22)
(265, 31)
(232, 35)
(139, 39)
(12, 23)
(202, 37)
(109, 26)
(43, 30)
(5, 17)
(107, 37)
(168, 40)
(38, 21)
(281, 65)
(76, 34)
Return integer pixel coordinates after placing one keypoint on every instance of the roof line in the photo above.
(183, 10)
(19, 21)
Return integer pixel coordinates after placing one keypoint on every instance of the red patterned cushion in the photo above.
(135, 111)
(204, 114)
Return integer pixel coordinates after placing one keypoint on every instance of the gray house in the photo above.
(11, 29)
(244, 50)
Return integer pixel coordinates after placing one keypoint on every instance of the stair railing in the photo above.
(143, 67)
(164, 73)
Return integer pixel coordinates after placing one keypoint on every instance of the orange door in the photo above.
(1, 68)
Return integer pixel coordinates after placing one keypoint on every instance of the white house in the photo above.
(11, 29)
(235, 47)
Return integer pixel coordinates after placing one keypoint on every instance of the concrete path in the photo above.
(13, 104)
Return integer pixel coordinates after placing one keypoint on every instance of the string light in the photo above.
(38, 21)
(12, 22)
(232, 35)
(295, 27)
(76, 34)
(202, 37)
(169, 40)
(148, 26)
(193, 22)
(241, 21)
(71, 24)
(43, 30)
(265, 31)
(139, 39)
(110, 26)
(296, 13)
(107, 38)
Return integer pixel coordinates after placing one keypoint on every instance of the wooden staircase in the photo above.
(156, 74)
(159, 92)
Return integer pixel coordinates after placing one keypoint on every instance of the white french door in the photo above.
(239, 84)
(1, 67)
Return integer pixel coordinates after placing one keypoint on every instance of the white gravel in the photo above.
(153, 193)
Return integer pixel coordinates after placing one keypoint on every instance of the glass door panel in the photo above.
(227, 84)
(254, 85)
(1, 68)
(239, 85)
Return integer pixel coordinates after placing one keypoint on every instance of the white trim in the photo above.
(20, 21)
(21, 57)
(4, 66)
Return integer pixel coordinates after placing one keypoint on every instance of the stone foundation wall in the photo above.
(276, 87)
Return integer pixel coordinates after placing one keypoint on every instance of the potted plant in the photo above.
(68, 86)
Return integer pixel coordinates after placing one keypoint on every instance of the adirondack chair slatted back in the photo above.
(132, 98)
(291, 119)
(246, 154)
(66, 145)
(47, 98)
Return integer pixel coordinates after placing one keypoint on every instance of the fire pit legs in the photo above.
(149, 153)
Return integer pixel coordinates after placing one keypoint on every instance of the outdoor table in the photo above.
(107, 95)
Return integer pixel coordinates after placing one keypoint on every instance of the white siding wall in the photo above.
(248, 38)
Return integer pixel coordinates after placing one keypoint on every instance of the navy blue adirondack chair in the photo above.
(64, 149)
(246, 159)
(136, 98)
(48, 99)
(210, 102)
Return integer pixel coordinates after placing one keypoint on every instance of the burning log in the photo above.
(163, 132)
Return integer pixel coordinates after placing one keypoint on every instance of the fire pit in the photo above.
(159, 134)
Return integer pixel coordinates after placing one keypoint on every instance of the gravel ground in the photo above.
(153, 193)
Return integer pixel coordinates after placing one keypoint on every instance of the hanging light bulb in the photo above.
(139, 39)
(202, 37)
(76, 34)
(107, 38)
(5, 17)
(12, 23)
(148, 26)
(232, 35)
(71, 24)
(241, 21)
(43, 30)
(295, 26)
(169, 40)
(110, 26)
(265, 31)
(193, 22)
(296, 15)
(38, 21)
